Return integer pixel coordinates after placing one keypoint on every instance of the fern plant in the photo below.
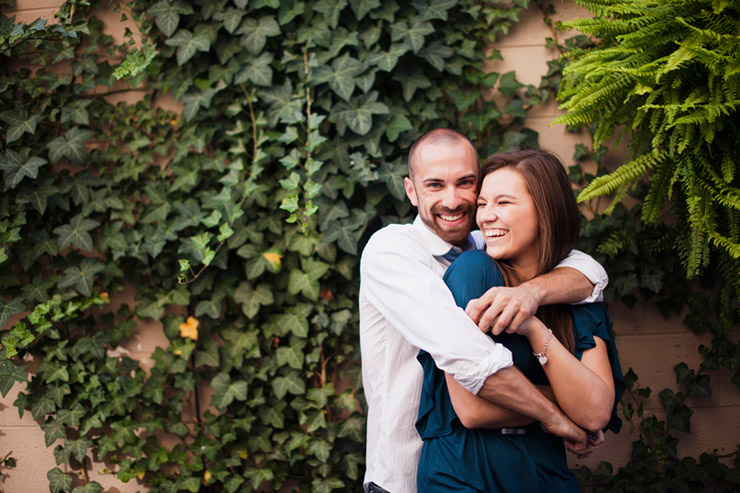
(666, 76)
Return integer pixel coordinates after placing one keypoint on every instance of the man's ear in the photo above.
(410, 191)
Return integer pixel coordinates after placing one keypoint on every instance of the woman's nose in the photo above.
(486, 214)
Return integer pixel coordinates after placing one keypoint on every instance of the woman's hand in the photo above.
(528, 327)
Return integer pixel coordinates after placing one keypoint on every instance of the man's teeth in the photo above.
(447, 217)
(495, 233)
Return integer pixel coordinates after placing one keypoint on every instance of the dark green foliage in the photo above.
(289, 151)
(670, 73)
(665, 76)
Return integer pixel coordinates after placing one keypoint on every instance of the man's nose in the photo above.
(451, 199)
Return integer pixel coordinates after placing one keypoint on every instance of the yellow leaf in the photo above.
(275, 260)
(189, 329)
(206, 476)
(140, 474)
(243, 453)
(104, 296)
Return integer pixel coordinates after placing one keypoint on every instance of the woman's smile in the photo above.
(508, 219)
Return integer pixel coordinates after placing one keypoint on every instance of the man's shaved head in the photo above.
(437, 136)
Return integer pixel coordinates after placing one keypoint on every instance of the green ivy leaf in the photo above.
(167, 14)
(58, 481)
(38, 194)
(392, 174)
(413, 34)
(188, 44)
(341, 76)
(294, 320)
(399, 123)
(291, 355)
(81, 277)
(357, 114)
(330, 9)
(54, 429)
(256, 70)
(71, 146)
(226, 391)
(251, 299)
(231, 18)
(10, 308)
(508, 84)
(290, 383)
(19, 122)
(362, 7)
(290, 10)
(91, 487)
(411, 81)
(387, 60)
(273, 416)
(306, 281)
(15, 167)
(44, 405)
(71, 417)
(9, 374)
(255, 33)
(436, 9)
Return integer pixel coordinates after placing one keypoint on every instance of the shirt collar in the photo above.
(437, 245)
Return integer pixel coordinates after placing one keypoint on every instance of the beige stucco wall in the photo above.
(649, 344)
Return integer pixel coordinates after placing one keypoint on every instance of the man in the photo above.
(405, 306)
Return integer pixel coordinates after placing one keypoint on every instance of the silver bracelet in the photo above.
(541, 356)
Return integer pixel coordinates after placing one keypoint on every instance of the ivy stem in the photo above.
(253, 118)
(197, 395)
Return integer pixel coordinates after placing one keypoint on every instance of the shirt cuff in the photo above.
(499, 358)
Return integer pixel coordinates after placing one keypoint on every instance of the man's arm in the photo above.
(398, 279)
(578, 278)
(511, 389)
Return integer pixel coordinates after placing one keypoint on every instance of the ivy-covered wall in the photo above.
(244, 373)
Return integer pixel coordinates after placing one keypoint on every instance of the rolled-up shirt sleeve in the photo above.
(399, 281)
(590, 268)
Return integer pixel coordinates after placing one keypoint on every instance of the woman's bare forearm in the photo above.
(476, 412)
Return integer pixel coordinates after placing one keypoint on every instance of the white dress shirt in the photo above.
(405, 305)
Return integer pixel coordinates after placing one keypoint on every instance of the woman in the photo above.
(529, 217)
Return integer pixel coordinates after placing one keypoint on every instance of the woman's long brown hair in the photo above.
(558, 222)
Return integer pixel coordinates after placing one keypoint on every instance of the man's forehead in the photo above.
(457, 156)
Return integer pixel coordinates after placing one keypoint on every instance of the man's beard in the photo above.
(457, 235)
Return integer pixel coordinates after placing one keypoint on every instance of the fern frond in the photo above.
(727, 166)
(627, 173)
(698, 247)
(729, 246)
(661, 185)
(620, 193)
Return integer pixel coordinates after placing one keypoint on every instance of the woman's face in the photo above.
(508, 219)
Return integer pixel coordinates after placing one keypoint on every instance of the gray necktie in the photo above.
(452, 254)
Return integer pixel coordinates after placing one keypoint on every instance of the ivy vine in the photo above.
(238, 223)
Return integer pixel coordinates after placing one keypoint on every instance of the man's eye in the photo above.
(467, 182)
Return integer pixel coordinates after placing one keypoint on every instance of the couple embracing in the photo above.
(486, 354)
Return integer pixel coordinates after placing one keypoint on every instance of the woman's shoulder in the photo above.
(589, 320)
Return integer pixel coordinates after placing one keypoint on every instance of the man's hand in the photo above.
(594, 440)
(576, 439)
(502, 307)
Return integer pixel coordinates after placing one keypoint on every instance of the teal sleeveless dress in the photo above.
(456, 459)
